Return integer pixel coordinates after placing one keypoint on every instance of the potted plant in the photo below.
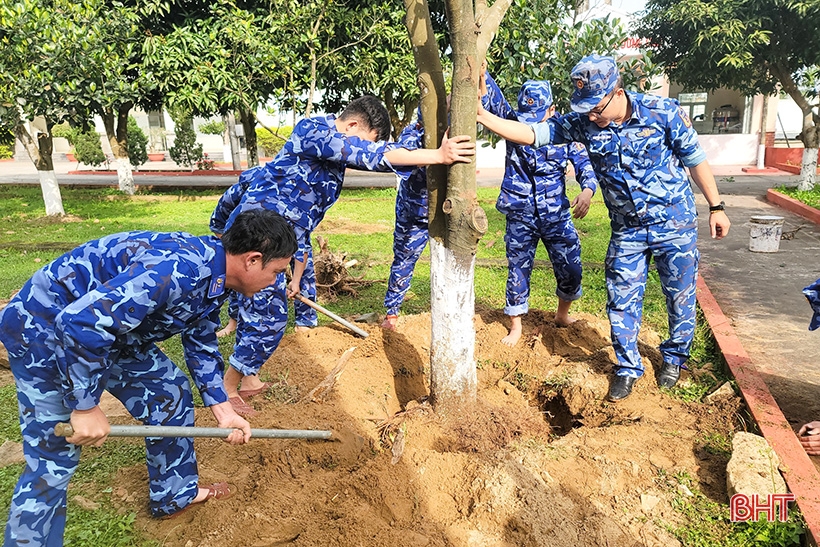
(156, 144)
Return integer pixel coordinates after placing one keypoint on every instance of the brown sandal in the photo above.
(242, 408)
(216, 491)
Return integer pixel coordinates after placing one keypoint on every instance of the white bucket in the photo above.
(764, 233)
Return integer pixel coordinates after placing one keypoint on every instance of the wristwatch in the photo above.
(719, 207)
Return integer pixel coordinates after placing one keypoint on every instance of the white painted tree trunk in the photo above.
(125, 174)
(808, 169)
(51, 193)
(452, 351)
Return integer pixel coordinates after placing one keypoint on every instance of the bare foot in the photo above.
(564, 321)
(229, 328)
(301, 328)
(515, 332)
(562, 317)
(251, 382)
(390, 322)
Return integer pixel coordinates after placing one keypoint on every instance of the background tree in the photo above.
(751, 46)
(137, 143)
(531, 46)
(185, 151)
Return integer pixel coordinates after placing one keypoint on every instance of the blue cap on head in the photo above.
(592, 79)
(534, 99)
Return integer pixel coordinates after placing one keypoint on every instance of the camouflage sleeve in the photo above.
(812, 293)
(584, 173)
(203, 359)
(318, 143)
(411, 138)
(682, 137)
(559, 130)
(495, 102)
(86, 329)
(228, 202)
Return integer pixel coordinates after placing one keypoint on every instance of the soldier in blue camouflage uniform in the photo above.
(301, 183)
(305, 316)
(411, 232)
(810, 433)
(91, 320)
(533, 198)
(638, 145)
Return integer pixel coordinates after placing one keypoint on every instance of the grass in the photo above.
(809, 197)
(707, 523)
(360, 224)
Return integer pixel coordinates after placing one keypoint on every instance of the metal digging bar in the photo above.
(65, 430)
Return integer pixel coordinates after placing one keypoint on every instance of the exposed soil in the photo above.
(535, 463)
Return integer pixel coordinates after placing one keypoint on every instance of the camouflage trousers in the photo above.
(673, 245)
(152, 388)
(305, 315)
(409, 239)
(260, 325)
(563, 247)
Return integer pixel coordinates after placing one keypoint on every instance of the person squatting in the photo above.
(91, 321)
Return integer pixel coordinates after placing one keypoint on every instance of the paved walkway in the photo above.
(23, 172)
(761, 294)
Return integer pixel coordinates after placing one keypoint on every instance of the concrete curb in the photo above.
(798, 470)
(793, 206)
(198, 173)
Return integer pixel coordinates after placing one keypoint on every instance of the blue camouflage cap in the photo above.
(592, 79)
(534, 99)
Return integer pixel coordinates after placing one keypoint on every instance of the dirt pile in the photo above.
(540, 461)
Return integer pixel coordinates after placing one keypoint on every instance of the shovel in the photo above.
(65, 430)
(317, 307)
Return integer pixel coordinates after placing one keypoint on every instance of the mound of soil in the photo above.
(541, 459)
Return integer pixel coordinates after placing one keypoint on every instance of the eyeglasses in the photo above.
(599, 111)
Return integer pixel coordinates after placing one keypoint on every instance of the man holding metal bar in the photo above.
(91, 320)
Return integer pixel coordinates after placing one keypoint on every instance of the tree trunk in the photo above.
(234, 148)
(810, 136)
(116, 130)
(40, 154)
(249, 125)
(456, 220)
(808, 168)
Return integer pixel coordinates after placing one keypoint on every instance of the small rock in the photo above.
(506, 386)
(648, 502)
(723, 392)
(11, 452)
(4, 357)
(753, 467)
(369, 318)
(660, 461)
(86, 503)
(684, 490)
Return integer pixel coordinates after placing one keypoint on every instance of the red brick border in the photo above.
(798, 470)
(792, 205)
